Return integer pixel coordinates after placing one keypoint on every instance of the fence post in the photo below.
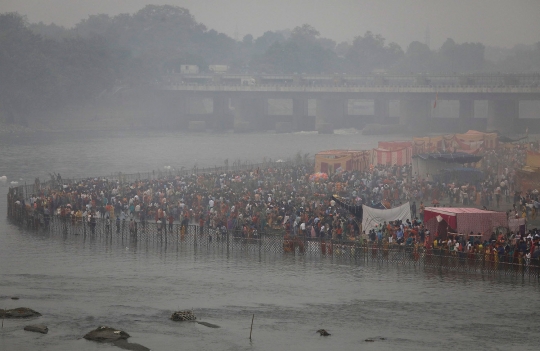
(194, 237)
(227, 242)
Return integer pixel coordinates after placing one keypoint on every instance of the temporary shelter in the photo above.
(348, 160)
(470, 142)
(373, 217)
(474, 140)
(394, 145)
(533, 159)
(528, 178)
(463, 220)
(398, 157)
(434, 163)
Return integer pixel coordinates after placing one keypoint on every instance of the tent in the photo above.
(527, 179)
(470, 142)
(435, 163)
(463, 220)
(373, 217)
(533, 159)
(473, 140)
(394, 145)
(349, 160)
(398, 157)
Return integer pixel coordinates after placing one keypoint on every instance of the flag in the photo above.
(436, 96)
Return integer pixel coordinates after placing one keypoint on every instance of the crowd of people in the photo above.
(285, 200)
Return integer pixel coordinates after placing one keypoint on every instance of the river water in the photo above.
(78, 285)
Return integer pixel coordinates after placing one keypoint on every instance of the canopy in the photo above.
(533, 159)
(456, 157)
(374, 217)
(398, 157)
(470, 142)
(349, 160)
(464, 219)
(426, 165)
(528, 179)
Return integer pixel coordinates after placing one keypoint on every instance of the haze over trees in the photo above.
(45, 67)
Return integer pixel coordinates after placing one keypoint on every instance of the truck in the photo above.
(218, 68)
(189, 69)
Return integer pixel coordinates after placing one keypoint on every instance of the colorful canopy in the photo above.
(465, 220)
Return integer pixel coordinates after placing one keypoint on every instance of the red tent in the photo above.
(463, 220)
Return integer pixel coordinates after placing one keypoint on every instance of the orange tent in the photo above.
(349, 160)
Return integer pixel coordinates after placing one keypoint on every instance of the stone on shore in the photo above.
(38, 328)
(106, 334)
(20, 312)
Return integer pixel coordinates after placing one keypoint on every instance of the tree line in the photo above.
(49, 66)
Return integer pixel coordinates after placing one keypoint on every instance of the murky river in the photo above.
(78, 285)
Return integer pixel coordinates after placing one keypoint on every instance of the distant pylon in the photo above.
(236, 34)
(427, 39)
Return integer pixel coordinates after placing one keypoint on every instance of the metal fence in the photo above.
(263, 244)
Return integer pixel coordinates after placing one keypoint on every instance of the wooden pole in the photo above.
(251, 329)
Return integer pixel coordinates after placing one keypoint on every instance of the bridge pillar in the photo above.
(300, 114)
(221, 115)
(330, 114)
(249, 113)
(381, 110)
(415, 114)
(466, 114)
(502, 115)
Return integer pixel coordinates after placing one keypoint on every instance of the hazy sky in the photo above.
(492, 22)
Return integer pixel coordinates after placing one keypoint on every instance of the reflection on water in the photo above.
(80, 283)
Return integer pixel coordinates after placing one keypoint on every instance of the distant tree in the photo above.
(418, 59)
(466, 57)
(262, 43)
(247, 40)
(301, 53)
(51, 31)
(369, 52)
(524, 60)
(342, 48)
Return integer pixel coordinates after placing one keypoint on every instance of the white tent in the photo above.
(373, 217)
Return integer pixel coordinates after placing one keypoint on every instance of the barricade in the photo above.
(264, 244)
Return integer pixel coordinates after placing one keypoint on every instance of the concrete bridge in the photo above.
(241, 101)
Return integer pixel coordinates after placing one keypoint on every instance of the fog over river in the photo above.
(80, 284)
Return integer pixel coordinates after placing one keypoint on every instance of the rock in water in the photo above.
(38, 328)
(123, 344)
(209, 325)
(20, 312)
(323, 332)
(106, 334)
(183, 316)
